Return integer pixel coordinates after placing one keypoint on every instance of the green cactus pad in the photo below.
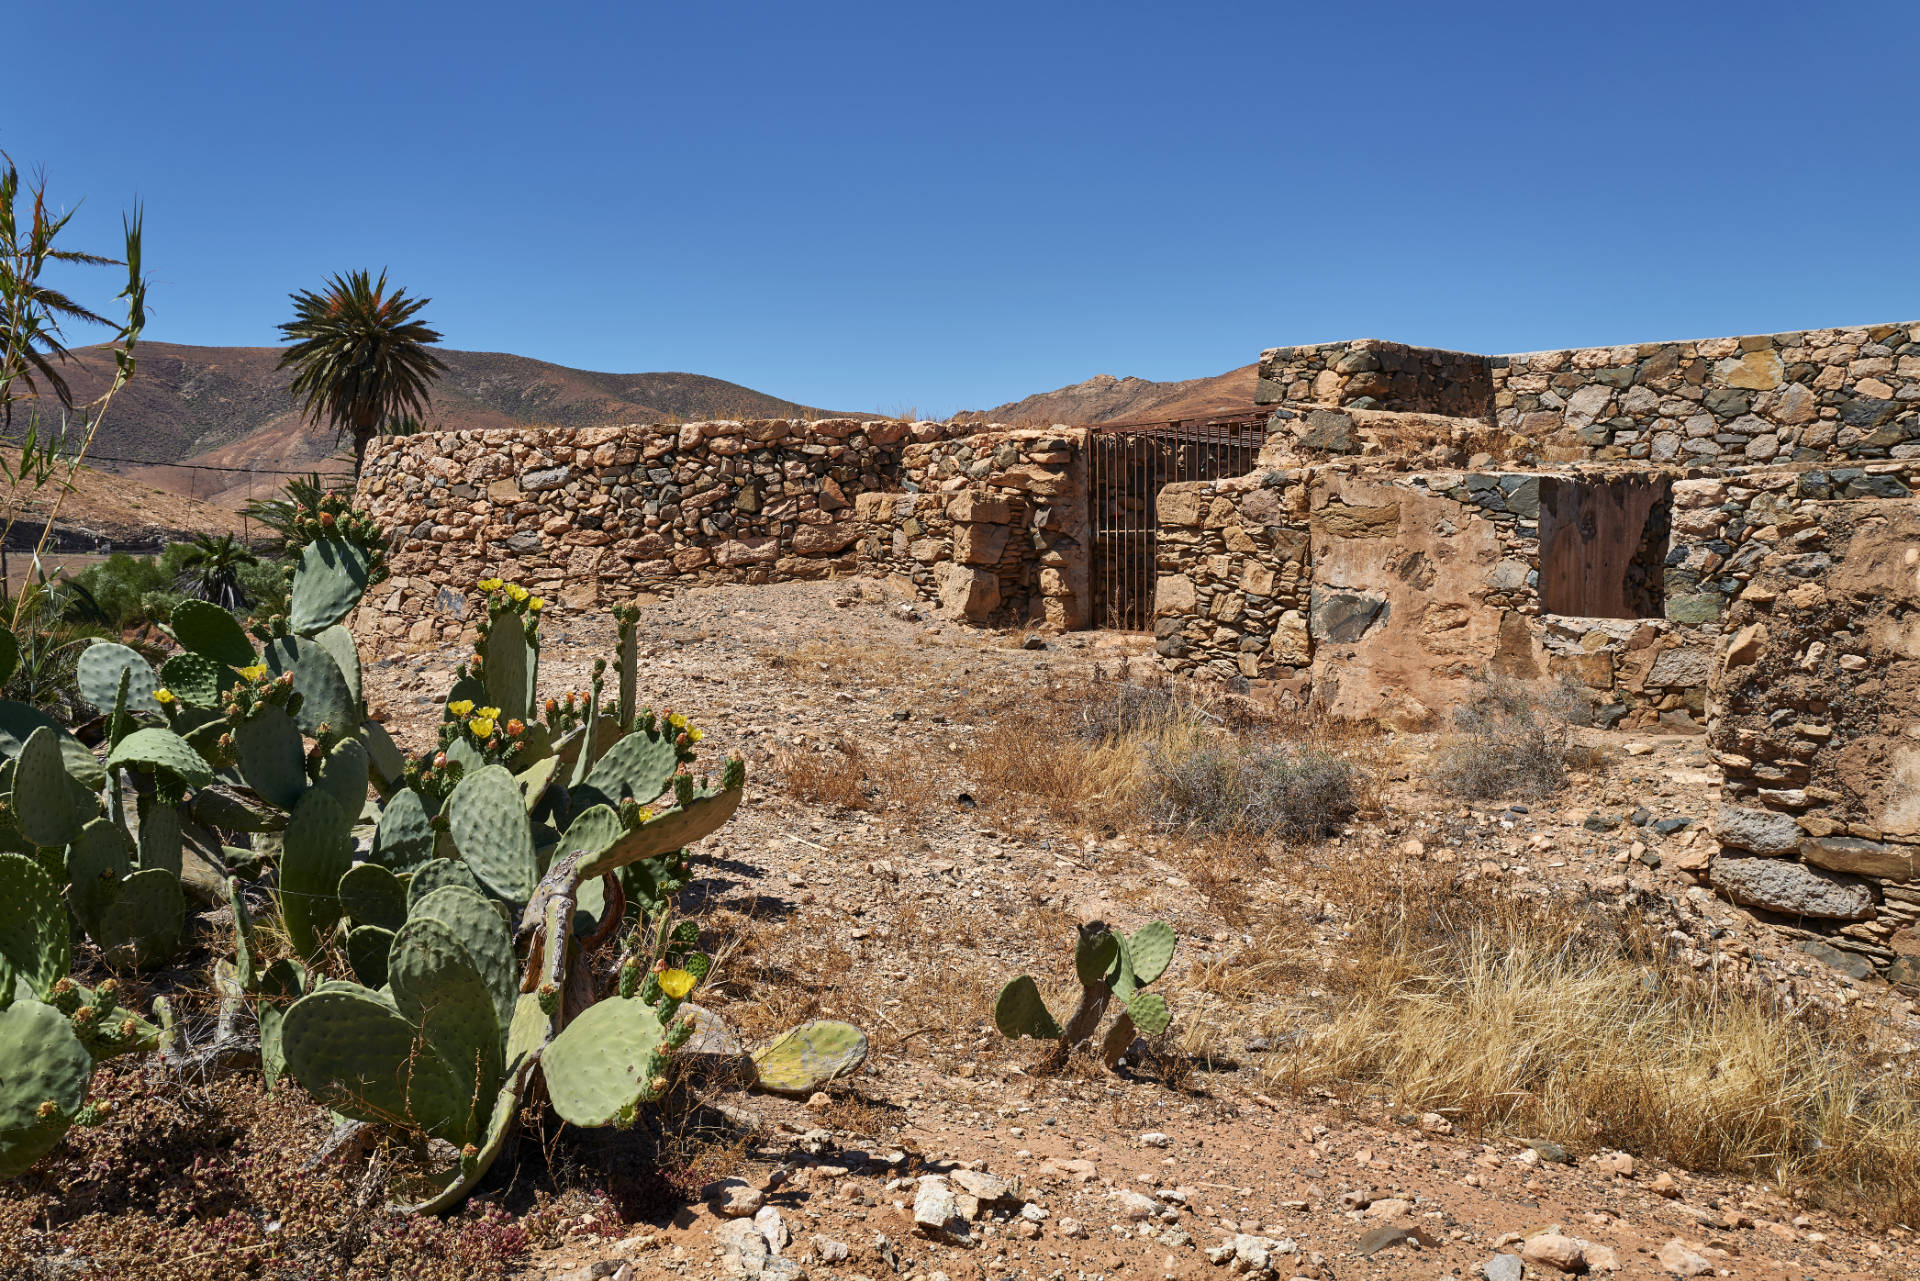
(602, 1063)
(507, 672)
(197, 679)
(592, 831)
(246, 952)
(343, 776)
(437, 872)
(1152, 949)
(1149, 1012)
(17, 723)
(802, 1060)
(161, 749)
(280, 984)
(98, 676)
(45, 805)
(272, 757)
(161, 839)
(45, 1062)
(436, 987)
(207, 630)
(489, 828)
(325, 698)
(142, 924)
(462, 1175)
(338, 642)
(368, 949)
(1094, 954)
(238, 811)
(327, 583)
(34, 937)
(1120, 977)
(353, 1052)
(477, 923)
(403, 839)
(1019, 1011)
(98, 859)
(385, 761)
(664, 833)
(533, 781)
(315, 853)
(372, 895)
(639, 765)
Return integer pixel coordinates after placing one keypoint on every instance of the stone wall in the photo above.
(586, 514)
(1371, 374)
(1814, 717)
(991, 527)
(1233, 582)
(1819, 395)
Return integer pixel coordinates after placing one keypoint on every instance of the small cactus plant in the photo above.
(1110, 966)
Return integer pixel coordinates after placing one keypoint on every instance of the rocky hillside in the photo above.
(1106, 399)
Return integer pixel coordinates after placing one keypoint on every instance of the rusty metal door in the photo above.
(1127, 464)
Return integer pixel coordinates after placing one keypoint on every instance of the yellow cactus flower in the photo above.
(489, 584)
(676, 983)
(464, 707)
(491, 713)
(535, 605)
(253, 673)
(646, 813)
(516, 591)
(678, 720)
(163, 696)
(482, 726)
(694, 736)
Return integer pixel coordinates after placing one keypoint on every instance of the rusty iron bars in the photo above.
(1128, 464)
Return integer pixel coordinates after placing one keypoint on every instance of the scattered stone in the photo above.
(735, 1199)
(935, 1212)
(1676, 1257)
(1503, 1267)
(1154, 1139)
(773, 1228)
(1553, 1250)
(1384, 1238)
(828, 1250)
(1136, 1205)
(1392, 1207)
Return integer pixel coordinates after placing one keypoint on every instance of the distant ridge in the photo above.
(1106, 399)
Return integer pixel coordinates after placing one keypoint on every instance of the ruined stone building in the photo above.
(1715, 536)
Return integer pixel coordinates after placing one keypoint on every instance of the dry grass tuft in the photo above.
(1513, 1019)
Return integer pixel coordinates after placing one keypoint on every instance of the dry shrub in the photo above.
(1156, 758)
(1526, 1024)
(1510, 740)
(848, 776)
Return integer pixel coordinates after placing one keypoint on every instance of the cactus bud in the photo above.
(48, 1109)
(439, 760)
(549, 999)
(85, 1017)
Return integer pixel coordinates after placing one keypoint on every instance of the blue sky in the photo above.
(892, 205)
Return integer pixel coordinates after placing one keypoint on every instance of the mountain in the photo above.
(1106, 399)
(229, 407)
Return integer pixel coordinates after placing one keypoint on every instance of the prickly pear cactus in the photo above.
(44, 1085)
(606, 1063)
(801, 1060)
(1110, 967)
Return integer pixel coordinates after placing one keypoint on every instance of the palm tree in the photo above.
(360, 358)
(211, 571)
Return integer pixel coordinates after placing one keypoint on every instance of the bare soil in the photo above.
(902, 905)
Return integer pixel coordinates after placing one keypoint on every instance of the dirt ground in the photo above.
(916, 908)
(905, 907)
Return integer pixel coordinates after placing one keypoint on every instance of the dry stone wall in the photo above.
(1372, 374)
(1814, 721)
(990, 527)
(1818, 395)
(587, 514)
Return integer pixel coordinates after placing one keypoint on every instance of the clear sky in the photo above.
(948, 206)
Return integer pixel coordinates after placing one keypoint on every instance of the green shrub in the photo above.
(120, 582)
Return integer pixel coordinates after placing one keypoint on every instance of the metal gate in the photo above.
(1127, 464)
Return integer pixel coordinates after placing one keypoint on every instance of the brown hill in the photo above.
(1106, 399)
(229, 407)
